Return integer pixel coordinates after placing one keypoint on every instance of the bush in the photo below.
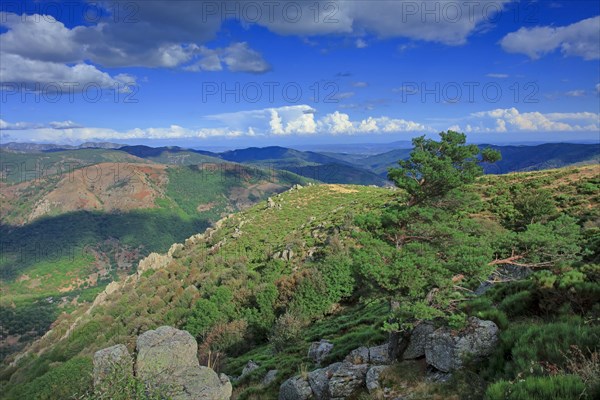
(559, 387)
(286, 332)
(517, 304)
(534, 349)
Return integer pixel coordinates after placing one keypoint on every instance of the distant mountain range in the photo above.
(329, 166)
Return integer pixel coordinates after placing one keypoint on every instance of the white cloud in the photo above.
(576, 93)
(579, 39)
(360, 43)
(268, 122)
(240, 58)
(360, 84)
(45, 75)
(512, 120)
(64, 125)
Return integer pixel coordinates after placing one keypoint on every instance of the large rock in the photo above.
(418, 341)
(270, 377)
(319, 350)
(110, 361)
(358, 356)
(319, 381)
(373, 377)
(446, 350)
(378, 355)
(296, 388)
(347, 380)
(167, 360)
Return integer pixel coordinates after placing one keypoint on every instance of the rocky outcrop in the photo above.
(347, 379)
(153, 261)
(319, 350)
(446, 349)
(377, 355)
(418, 340)
(372, 379)
(339, 380)
(166, 361)
(296, 388)
(319, 381)
(110, 361)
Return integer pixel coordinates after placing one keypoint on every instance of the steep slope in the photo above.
(253, 271)
(64, 237)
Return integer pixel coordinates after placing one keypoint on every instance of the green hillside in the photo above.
(312, 264)
(61, 261)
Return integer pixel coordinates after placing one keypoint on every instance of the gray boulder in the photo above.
(319, 381)
(167, 360)
(358, 356)
(249, 368)
(372, 378)
(379, 355)
(109, 361)
(347, 380)
(418, 340)
(319, 350)
(269, 377)
(296, 388)
(446, 350)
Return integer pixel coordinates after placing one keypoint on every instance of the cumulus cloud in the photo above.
(268, 122)
(240, 58)
(160, 35)
(512, 120)
(578, 40)
(18, 72)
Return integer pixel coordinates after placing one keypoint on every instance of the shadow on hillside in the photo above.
(54, 239)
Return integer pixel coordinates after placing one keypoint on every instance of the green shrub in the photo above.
(560, 387)
(287, 331)
(517, 304)
(536, 349)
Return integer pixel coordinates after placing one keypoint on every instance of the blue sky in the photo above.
(204, 73)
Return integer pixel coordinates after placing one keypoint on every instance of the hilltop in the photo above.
(300, 255)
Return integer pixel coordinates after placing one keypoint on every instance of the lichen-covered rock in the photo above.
(319, 350)
(109, 361)
(347, 379)
(418, 340)
(379, 355)
(269, 377)
(295, 388)
(166, 359)
(373, 376)
(249, 368)
(358, 356)
(370, 355)
(446, 350)
(319, 381)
